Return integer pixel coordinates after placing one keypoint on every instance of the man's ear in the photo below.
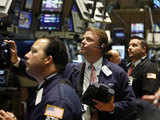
(144, 50)
(48, 59)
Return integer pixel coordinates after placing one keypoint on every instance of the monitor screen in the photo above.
(156, 4)
(119, 35)
(50, 22)
(25, 20)
(23, 46)
(52, 5)
(121, 49)
(137, 27)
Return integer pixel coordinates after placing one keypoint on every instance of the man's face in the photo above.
(135, 50)
(90, 44)
(35, 57)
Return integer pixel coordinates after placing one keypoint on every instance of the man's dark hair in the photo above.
(143, 42)
(57, 50)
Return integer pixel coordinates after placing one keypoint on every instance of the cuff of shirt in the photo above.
(17, 63)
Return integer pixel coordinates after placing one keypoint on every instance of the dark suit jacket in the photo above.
(118, 80)
(143, 78)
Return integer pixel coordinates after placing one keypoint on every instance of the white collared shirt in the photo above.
(138, 61)
(87, 73)
(86, 82)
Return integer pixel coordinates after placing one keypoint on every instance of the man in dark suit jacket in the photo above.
(93, 47)
(144, 76)
(53, 98)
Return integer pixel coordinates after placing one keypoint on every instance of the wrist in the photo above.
(16, 63)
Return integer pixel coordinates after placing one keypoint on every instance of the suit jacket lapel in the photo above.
(81, 79)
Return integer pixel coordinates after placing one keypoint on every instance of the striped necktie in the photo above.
(130, 69)
(94, 114)
(93, 74)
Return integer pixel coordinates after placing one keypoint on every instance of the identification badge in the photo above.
(39, 96)
(151, 76)
(54, 111)
(106, 70)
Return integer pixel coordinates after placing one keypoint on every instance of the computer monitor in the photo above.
(137, 27)
(119, 34)
(52, 5)
(25, 20)
(50, 22)
(121, 49)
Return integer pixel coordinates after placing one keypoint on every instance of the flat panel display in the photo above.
(49, 22)
(25, 20)
(52, 5)
(137, 27)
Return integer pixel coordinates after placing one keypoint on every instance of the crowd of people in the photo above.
(61, 85)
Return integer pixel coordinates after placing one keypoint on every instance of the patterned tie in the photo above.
(130, 69)
(94, 113)
(93, 74)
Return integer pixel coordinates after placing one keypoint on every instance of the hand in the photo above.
(107, 107)
(6, 115)
(149, 98)
(153, 98)
(13, 49)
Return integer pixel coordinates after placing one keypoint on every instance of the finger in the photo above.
(1, 117)
(10, 114)
(149, 98)
(2, 112)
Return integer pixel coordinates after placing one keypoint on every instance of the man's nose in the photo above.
(83, 41)
(27, 55)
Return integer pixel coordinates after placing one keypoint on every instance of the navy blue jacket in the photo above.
(56, 92)
(145, 78)
(118, 80)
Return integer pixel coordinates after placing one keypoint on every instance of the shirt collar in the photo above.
(50, 76)
(46, 79)
(97, 64)
(138, 61)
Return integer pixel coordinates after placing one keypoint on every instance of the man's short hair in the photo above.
(57, 50)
